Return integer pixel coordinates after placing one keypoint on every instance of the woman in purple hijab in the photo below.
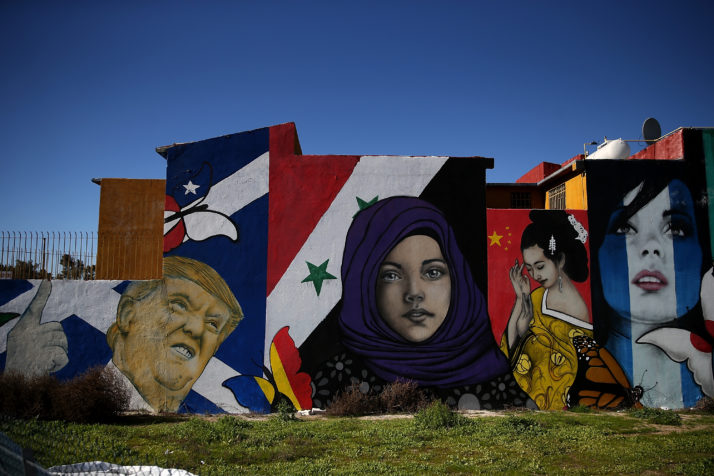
(411, 310)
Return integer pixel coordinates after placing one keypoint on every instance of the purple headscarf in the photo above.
(462, 351)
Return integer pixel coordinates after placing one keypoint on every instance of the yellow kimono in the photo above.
(544, 361)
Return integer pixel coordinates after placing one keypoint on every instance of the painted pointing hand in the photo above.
(33, 348)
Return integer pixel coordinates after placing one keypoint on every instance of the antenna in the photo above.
(651, 131)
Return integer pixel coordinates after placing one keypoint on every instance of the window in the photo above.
(556, 197)
(521, 200)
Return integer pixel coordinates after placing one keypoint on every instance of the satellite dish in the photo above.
(651, 131)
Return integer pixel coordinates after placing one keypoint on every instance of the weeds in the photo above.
(438, 415)
(705, 404)
(657, 416)
(286, 411)
(514, 443)
(520, 425)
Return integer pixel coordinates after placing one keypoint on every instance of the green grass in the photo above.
(433, 443)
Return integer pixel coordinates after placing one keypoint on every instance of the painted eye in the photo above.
(213, 324)
(390, 276)
(625, 229)
(434, 273)
(679, 229)
(177, 305)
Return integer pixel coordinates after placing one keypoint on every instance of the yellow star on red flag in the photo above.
(495, 239)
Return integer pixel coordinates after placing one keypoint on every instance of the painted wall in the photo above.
(651, 263)
(539, 296)
(289, 277)
(576, 197)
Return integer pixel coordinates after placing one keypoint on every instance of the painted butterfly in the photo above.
(600, 381)
(196, 220)
(283, 381)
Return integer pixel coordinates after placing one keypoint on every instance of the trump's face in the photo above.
(172, 334)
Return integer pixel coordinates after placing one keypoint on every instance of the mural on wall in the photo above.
(174, 340)
(288, 278)
(649, 243)
(167, 330)
(539, 297)
(232, 249)
(56, 328)
(411, 310)
(217, 214)
(162, 338)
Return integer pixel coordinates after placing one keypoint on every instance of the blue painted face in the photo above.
(650, 263)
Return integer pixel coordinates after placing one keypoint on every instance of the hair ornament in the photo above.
(551, 245)
(579, 229)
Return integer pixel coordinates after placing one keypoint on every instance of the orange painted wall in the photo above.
(576, 196)
(131, 216)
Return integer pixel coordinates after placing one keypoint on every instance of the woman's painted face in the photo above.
(540, 267)
(660, 247)
(414, 288)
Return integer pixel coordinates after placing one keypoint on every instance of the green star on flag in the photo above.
(365, 204)
(317, 275)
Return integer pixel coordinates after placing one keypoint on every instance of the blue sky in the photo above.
(90, 89)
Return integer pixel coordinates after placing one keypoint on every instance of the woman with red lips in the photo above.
(538, 337)
(650, 267)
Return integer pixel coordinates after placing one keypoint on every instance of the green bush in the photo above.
(286, 411)
(438, 415)
(657, 416)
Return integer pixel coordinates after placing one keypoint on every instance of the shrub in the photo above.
(705, 404)
(352, 402)
(437, 415)
(657, 416)
(402, 396)
(286, 411)
(580, 409)
(98, 395)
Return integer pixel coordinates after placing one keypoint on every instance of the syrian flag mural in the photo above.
(272, 223)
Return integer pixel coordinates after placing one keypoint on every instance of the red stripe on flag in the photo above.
(302, 188)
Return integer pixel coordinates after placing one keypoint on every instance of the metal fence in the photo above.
(48, 254)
